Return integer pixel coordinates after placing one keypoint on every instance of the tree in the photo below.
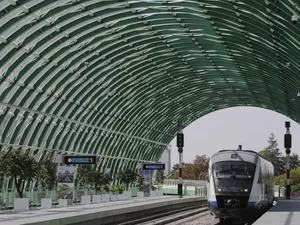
(201, 166)
(175, 167)
(175, 171)
(98, 180)
(189, 171)
(192, 171)
(47, 175)
(140, 179)
(85, 175)
(273, 154)
(159, 177)
(107, 179)
(172, 176)
(127, 176)
(280, 180)
(62, 191)
(295, 180)
(294, 161)
(21, 167)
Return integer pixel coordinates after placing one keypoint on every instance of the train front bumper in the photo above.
(245, 213)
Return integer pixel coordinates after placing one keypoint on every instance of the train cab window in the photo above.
(233, 176)
(230, 168)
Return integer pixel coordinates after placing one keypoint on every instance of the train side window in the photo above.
(259, 177)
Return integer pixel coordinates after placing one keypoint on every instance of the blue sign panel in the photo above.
(82, 159)
(155, 166)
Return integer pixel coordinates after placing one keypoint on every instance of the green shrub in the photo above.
(114, 189)
(153, 188)
(121, 188)
(62, 191)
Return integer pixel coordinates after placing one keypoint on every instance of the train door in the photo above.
(261, 186)
(268, 186)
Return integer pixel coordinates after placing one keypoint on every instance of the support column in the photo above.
(288, 146)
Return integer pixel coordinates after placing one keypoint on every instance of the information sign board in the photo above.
(155, 166)
(79, 159)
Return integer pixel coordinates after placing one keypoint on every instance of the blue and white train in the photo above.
(240, 184)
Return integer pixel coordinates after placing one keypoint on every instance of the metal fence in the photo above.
(190, 187)
(7, 196)
(279, 191)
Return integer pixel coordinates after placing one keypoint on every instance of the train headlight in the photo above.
(246, 190)
(219, 189)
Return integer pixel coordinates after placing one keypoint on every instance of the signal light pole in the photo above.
(288, 146)
(180, 144)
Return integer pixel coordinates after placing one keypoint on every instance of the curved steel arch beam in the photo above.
(211, 78)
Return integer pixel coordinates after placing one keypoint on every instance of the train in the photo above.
(240, 184)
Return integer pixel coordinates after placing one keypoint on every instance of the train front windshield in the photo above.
(233, 177)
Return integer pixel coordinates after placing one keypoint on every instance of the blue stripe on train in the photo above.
(251, 203)
(214, 203)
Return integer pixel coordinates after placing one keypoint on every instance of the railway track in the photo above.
(185, 216)
(168, 217)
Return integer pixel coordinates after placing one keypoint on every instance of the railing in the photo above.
(186, 182)
(279, 191)
(190, 187)
(7, 196)
(198, 187)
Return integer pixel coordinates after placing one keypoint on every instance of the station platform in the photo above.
(285, 212)
(101, 213)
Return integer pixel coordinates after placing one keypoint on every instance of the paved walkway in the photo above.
(73, 214)
(285, 212)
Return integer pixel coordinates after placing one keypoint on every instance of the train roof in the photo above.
(249, 151)
(228, 150)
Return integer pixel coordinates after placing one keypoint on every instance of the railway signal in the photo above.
(180, 140)
(288, 146)
(180, 144)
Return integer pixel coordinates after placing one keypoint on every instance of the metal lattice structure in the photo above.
(113, 78)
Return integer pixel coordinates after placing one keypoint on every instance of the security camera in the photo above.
(298, 94)
(294, 19)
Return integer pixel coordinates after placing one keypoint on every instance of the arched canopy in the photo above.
(113, 78)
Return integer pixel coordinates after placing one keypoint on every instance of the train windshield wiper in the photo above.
(223, 175)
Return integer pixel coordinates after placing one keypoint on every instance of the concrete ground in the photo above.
(285, 212)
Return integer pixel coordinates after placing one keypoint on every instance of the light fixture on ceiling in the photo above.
(294, 16)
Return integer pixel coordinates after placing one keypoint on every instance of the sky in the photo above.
(228, 128)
